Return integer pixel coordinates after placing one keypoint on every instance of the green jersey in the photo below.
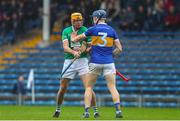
(66, 35)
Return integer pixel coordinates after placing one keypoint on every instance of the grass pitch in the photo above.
(75, 113)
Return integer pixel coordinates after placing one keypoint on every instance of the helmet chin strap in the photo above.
(98, 19)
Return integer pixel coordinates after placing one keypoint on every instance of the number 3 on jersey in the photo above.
(103, 38)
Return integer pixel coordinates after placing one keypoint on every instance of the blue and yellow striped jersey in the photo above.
(102, 41)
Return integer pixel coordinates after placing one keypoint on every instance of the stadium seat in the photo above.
(154, 77)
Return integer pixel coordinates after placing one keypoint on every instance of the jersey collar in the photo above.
(102, 23)
(74, 29)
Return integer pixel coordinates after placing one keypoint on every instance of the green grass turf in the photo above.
(75, 113)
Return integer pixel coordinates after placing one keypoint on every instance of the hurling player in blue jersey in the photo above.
(104, 39)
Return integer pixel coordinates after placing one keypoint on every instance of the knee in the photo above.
(89, 89)
(63, 89)
(63, 85)
(112, 88)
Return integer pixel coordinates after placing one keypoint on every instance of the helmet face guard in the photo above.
(76, 20)
(100, 14)
(91, 19)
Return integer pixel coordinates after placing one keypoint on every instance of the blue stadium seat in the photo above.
(153, 75)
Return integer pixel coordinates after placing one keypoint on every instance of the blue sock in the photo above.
(87, 109)
(117, 106)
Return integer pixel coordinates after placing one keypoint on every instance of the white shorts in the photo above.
(105, 69)
(80, 67)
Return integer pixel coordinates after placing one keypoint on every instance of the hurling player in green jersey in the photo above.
(80, 66)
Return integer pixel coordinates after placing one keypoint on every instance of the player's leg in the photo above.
(84, 78)
(60, 95)
(68, 75)
(109, 73)
(94, 105)
(94, 71)
(83, 71)
(62, 91)
(111, 83)
(89, 93)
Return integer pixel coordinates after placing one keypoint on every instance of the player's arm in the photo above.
(86, 34)
(85, 47)
(78, 38)
(118, 47)
(117, 44)
(88, 49)
(67, 49)
(87, 44)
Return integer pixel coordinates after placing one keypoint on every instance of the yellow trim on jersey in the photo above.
(98, 40)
